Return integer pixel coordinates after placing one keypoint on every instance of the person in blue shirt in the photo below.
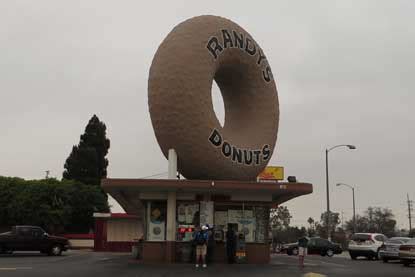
(201, 240)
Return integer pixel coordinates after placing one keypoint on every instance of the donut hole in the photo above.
(218, 105)
(238, 91)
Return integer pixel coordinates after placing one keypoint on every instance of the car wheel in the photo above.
(330, 253)
(294, 251)
(406, 263)
(352, 256)
(385, 260)
(56, 250)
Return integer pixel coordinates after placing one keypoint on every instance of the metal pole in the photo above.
(409, 212)
(328, 195)
(354, 213)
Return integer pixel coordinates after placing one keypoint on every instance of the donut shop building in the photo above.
(170, 210)
(220, 163)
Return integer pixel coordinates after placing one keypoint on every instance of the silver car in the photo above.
(407, 252)
(390, 248)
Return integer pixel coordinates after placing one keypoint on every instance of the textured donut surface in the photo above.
(195, 53)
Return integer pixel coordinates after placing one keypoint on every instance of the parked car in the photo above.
(390, 248)
(407, 252)
(366, 245)
(277, 247)
(319, 246)
(32, 238)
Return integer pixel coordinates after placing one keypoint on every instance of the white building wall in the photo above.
(124, 230)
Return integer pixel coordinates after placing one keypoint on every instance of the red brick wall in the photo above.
(154, 251)
(119, 246)
(100, 240)
(257, 253)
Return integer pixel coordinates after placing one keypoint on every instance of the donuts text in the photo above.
(241, 156)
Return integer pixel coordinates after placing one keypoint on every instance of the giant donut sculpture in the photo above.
(195, 53)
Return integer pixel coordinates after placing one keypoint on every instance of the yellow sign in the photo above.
(272, 173)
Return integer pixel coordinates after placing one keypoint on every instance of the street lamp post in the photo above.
(327, 183)
(354, 207)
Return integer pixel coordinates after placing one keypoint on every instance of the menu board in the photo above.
(206, 212)
(234, 216)
(221, 219)
(181, 213)
(191, 210)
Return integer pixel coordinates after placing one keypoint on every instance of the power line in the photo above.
(409, 211)
(155, 175)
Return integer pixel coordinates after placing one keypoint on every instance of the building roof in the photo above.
(127, 191)
(114, 215)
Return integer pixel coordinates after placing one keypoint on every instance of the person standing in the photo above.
(201, 241)
(302, 250)
(230, 244)
(210, 245)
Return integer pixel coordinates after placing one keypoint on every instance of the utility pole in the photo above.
(409, 212)
(342, 223)
(47, 174)
(328, 195)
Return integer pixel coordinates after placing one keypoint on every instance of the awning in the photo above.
(127, 191)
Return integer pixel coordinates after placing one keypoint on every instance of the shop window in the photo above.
(249, 221)
(188, 218)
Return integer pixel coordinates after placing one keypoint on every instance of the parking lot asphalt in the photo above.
(86, 263)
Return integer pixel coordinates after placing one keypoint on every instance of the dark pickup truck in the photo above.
(32, 238)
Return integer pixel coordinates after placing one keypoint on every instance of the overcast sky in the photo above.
(345, 73)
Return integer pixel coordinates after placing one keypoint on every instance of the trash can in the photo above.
(137, 249)
(241, 250)
(134, 251)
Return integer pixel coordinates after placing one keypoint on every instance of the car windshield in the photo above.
(411, 242)
(395, 241)
(404, 240)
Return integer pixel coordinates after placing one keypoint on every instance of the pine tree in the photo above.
(87, 162)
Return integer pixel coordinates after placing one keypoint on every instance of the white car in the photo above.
(366, 245)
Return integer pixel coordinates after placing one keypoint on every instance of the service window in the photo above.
(187, 219)
(247, 220)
